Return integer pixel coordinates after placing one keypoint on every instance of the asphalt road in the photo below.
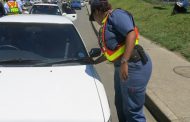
(105, 70)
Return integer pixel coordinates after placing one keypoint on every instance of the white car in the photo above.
(46, 74)
(69, 13)
(53, 9)
(45, 8)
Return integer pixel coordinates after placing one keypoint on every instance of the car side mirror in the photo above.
(95, 52)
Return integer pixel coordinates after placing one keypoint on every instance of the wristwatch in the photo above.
(124, 60)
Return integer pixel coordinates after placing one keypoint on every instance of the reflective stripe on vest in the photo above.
(110, 54)
(13, 7)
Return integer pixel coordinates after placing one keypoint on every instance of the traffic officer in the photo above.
(12, 7)
(118, 40)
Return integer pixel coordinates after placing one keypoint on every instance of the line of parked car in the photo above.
(76, 4)
(53, 9)
(62, 8)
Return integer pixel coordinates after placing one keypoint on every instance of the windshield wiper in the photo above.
(69, 60)
(19, 60)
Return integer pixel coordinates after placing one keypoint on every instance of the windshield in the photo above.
(45, 9)
(69, 11)
(25, 41)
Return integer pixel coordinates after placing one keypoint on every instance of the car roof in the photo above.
(46, 4)
(36, 19)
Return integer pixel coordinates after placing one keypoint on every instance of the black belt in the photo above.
(138, 54)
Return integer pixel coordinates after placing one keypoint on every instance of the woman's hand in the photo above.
(124, 71)
(130, 44)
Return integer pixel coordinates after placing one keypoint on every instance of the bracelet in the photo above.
(124, 60)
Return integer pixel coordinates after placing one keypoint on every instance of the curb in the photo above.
(157, 108)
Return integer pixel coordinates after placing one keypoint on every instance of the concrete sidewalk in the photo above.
(168, 93)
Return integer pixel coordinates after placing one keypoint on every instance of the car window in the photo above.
(69, 11)
(44, 9)
(51, 41)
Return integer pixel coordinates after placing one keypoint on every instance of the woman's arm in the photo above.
(129, 44)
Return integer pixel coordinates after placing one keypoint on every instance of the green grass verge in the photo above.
(156, 23)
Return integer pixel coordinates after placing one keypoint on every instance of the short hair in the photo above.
(102, 7)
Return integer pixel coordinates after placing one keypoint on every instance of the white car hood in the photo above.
(49, 94)
(72, 17)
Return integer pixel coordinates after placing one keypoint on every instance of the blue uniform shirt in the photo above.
(119, 24)
(20, 3)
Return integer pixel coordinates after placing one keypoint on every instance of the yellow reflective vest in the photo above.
(13, 7)
(112, 55)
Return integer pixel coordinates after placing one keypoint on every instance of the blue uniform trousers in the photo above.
(130, 94)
